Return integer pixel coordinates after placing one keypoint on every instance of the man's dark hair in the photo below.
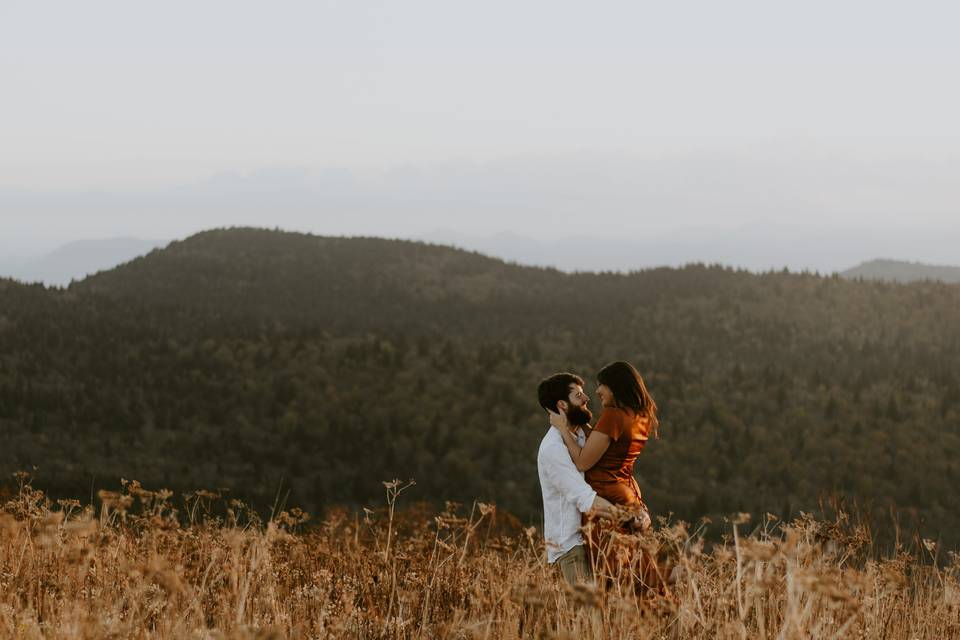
(556, 388)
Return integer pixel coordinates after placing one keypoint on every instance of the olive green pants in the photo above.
(575, 566)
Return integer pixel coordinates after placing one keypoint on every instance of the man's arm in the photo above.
(602, 507)
(562, 474)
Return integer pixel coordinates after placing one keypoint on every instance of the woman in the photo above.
(607, 457)
(629, 417)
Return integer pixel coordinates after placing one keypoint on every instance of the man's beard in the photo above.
(578, 416)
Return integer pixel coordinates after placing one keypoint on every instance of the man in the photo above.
(566, 495)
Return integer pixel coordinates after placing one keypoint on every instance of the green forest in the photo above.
(265, 361)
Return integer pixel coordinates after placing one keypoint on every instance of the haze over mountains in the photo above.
(76, 260)
(804, 204)
(755, 248)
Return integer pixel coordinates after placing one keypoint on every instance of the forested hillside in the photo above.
(239, 358)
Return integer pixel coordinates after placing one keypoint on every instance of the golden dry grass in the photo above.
(138, 569)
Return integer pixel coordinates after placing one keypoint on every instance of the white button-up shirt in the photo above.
(565, 494)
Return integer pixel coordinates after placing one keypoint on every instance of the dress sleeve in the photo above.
(610, 424)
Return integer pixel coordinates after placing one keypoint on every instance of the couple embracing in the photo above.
(588, 471)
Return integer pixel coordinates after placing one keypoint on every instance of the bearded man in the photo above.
(566, 495)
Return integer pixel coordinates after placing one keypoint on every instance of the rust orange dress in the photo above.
(612, 476)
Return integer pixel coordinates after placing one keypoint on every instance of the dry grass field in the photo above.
(138, 568)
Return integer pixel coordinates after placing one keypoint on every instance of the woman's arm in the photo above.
(592, 450)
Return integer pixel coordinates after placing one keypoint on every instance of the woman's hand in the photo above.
(640, 523)
(559, 421)
(583, 456)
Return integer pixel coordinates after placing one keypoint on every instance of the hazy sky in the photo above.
(555, 118)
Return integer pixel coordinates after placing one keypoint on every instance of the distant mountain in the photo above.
(76, 260)
(900, 271)
(757, 248)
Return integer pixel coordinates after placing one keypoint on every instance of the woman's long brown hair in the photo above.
(630, 391)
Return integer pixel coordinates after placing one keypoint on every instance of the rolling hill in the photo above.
(257, 359)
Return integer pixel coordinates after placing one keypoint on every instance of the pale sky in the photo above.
(400, 118)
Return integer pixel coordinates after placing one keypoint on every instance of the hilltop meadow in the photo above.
(147, 565)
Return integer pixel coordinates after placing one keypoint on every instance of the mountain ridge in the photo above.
(77, 260)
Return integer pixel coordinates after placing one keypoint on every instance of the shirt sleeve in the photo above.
(563, 474)
(610, 424)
